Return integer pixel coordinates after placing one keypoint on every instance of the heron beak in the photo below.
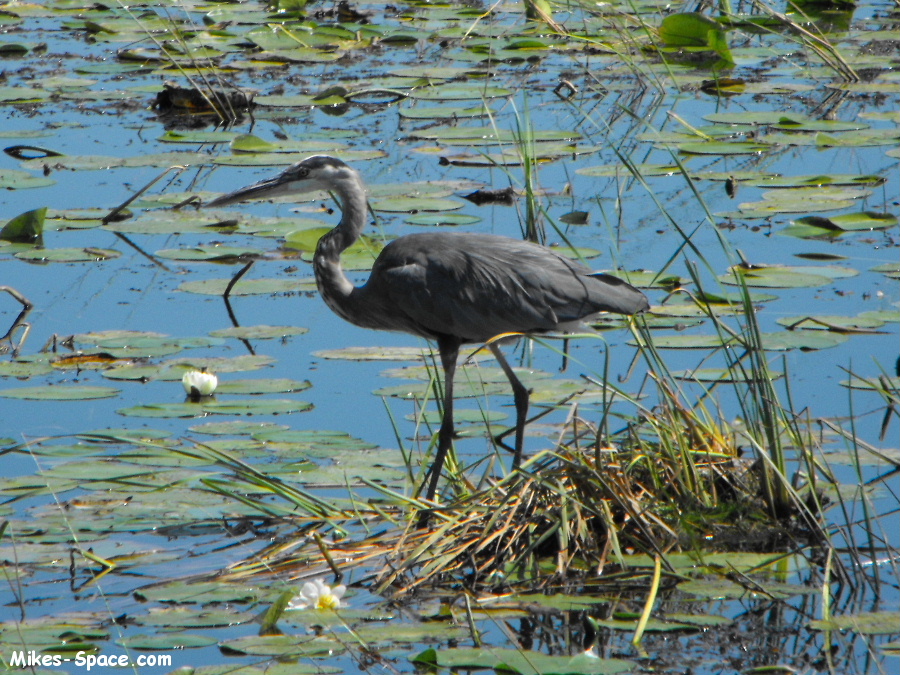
(271, 187)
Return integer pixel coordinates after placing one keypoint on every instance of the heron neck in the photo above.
(334, 286)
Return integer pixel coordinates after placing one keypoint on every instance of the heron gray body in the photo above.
(453, 288)
(477, 286)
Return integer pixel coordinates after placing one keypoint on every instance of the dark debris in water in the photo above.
(176, 101)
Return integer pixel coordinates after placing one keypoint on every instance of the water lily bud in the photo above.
(199, 383)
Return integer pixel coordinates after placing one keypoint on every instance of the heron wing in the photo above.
(478, 286)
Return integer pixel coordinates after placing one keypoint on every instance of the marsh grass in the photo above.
(668, 474)
(673, 474)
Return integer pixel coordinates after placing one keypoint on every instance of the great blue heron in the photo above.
(452, 288)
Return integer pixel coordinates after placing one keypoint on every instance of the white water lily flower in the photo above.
(316, 594)
(199, 383)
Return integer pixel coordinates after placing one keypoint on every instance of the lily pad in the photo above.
(850, 222)
(12, 179)
(415, 204)
(524, 662)
(374, 353)
(261, 332)
(776, 276)
(67, 255)
(867, 623)
(60, 393)
(840, 324)
(724, 148)
(215, 253)
(248, 286)
(269, 386)
(26, 227)
(236, 428)
(283, 646)
(166, 641)
(213, 407)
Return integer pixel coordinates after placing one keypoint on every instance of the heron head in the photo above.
(319, 172)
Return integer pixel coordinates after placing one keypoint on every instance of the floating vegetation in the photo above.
(707, 485)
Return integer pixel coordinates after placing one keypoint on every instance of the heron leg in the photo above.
(520, 398)
(449, 350)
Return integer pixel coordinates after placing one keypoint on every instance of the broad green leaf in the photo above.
(216, 253)
(283, 646)
(236, 428)
(774, 276)
(415, 204)
(692, 29)
(840, 324)
(68, 255)
(166, 641)
(262, 406)
(26, 227)
(867, 623)
(443, 218)
(270, 386)
(805, 124)
(261, 332)
(12, 179)
(247, 286)
(724, 148)
(60, 393)
(850, 222)
(522, 661)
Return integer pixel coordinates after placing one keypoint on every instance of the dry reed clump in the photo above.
(567, 512)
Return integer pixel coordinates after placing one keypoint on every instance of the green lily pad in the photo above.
(166, 641)
(60, 393)
(215, 253)
(376, 353)
(26, 227)
(787, 123)
(443, 218)
(248, 286)
(24, 369)
(850, 222)
(213, 407)
(722, 375)
(308, 239)
(751, 117)
(867, 623)
(435, 112)
(192, 617)
(194, 136)
(187, 592)
(775, 276)
(647, 170)
(522, 661)
(803, 340)
(876, 383)
(841, 324)
(12, 179)
(283, 646)
(808, 180)
(236, 428)
(458, 92)
(67, 255)
(269, 386)
(22, 94)
(724, 148)
(414, 204)
(261, 332)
